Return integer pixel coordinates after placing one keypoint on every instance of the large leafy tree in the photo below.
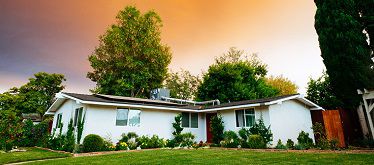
(234, 77)
(320, 92)
(35, 96)
(344, 48)
(130, 59)
(182, 84)
(284, 85)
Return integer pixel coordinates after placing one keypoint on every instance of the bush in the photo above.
(217, 128)
(280, 145)
(92, 143)
(256, 142)
(188, 139)
(304, 140)
(69, 141)
(259, 128)
(334, 144)
(10, 129)
(230, 139)
(108, 145)
(244, 133)
(129, 139)
(145, 142)
(290, 144)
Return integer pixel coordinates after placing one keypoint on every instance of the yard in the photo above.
(218, 156)
(29, 154)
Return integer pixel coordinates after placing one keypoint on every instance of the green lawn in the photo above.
(30, 154)
(217, 156)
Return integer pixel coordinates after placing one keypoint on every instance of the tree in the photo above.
(10, 129)
(234, 77)
(130, 59)
(320, 92)
(182, 84)
(34, 97)
(217, 127)
(344, 49)
(282, 84)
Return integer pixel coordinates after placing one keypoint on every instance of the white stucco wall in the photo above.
(229, 117)
(101, 120)
(288, 120)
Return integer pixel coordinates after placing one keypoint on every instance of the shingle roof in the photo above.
(139, 101)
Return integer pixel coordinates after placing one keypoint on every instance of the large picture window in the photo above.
(245, 118)
(190, 120)
(126, 117)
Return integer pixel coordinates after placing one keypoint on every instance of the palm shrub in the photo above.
(217, 128)
(230, 139)
(259, 128)
(92, 143)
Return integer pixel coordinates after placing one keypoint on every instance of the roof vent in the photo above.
(157, 94)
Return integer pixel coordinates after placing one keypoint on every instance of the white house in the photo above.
(110, 116)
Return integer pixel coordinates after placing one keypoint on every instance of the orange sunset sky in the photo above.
(57, 36)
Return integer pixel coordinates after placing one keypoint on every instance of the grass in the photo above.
(217, 156)
(29, 154)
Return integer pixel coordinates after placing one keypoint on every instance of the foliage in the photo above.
(182, 84)
(321, 138)
(216, 124)
(145, 142)
(130, 139)
(177, 125)
(259, 128)
(280, 145)
(108, 145)
(10, 129)
(80, 127)
(37, 95)
(34, 135)
(234, 78)
(188, 139)
(69, 142)
(130, 59)
(334, 144)
(320, 92)
(230, 139)
(344, 49)
(244, 133)
(290, 144)
(282, 84)
(92, 143)
(256, 141)
(304, 141)
(122, 146)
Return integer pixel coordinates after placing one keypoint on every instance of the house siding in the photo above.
(288, 120)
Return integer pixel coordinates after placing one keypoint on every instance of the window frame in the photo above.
(127, 124)
(237, 124)
(58, 120)
(190, 120)
(78, 116)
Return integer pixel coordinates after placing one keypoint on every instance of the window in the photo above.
(126, 117)
(58, 120)
(78, 116)
(189, 120)
(245, 118)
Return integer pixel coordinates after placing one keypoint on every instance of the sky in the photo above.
(58, 36)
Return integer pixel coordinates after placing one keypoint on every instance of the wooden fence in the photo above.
(332, 124)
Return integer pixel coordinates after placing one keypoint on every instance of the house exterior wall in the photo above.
(229, 118)
(101, 120)
(288, 120)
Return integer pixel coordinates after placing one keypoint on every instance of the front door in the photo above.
(209, 134)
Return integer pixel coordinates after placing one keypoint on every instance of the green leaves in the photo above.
(235, 77)
(182, 84)
(130, 59)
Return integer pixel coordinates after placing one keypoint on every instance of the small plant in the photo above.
(256, 142)
(334, 144)
(230, 139)
(280, 145)
(122, 146)
(69, 141)
(108, 145)
(304, 140)
(259, 128)
(187, 139)
(92, 143)
(290, 144)
(145, 142)
(217, 128)
(244, 133)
